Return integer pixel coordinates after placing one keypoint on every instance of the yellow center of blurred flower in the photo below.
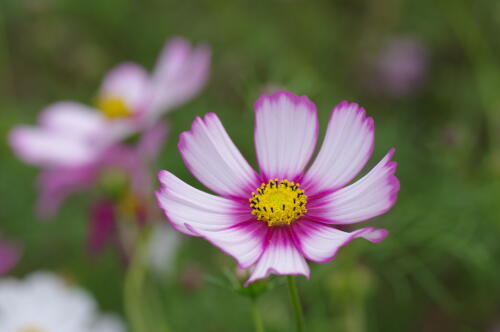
(113, 107)
(278, 202)
(31, 329)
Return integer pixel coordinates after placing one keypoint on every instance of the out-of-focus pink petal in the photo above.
(10, 253)
(280, 256)
(180, 73)
(102, 228)
(73, 119)
(190, 210)
(320, 243)
(55, 185)
(45, 148)
(372, 195)
(347, 147)
(286, 130)
(214, 159)
(152, 141)
(128, 82)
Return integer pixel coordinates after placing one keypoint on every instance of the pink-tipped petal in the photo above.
(10, 253)
(320, 243)
(192, 211)
(286, 130)
(214, 159)
(180, 73)
(347, 146)
(128, 82)
(46, 148)
(280, 256)
(372, 195)
(72, 119)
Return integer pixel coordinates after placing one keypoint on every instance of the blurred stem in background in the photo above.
(257, 318)
(297, 307)
(141, 304)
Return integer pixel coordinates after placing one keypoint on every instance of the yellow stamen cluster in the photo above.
(113, 107)
(278, 202)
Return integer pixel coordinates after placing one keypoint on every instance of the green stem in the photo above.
(297, 308)
(257, 318)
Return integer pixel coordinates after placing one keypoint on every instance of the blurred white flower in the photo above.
(162, 248)
(44, 302)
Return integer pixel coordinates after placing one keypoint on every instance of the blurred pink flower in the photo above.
(272, 221)
(56, 184)
(70, 134)
(10, 253)
(399, 69)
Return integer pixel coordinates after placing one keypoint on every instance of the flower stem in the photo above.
(297, 308)
(257, 318)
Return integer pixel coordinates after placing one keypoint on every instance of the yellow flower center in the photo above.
(113, 107)
(278, 202)
(31, 329)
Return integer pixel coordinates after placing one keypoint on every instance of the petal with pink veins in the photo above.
(347, 146)
(320, 243)
(280, 256)
(214, 159)
(286, 130)
(192, 211)
(372, 195)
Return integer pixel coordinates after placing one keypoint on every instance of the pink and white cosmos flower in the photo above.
(130, 100)
(274, 220)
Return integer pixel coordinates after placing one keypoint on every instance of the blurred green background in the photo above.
(439, 268)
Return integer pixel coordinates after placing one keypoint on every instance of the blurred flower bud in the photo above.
(191, 277)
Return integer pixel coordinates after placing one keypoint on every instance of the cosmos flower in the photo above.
(72, 134)
(121, 165)
(43, 302)
(10, 253)
(273, 221)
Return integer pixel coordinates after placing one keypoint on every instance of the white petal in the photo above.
(372, 195)
(243, 241)
(214, 159)
(280, 256)
(320, 243)
(109, 323)
(347, 147)
(190, 210)
(286, 130)
(73, 119)
(128, 82)
(47, 148)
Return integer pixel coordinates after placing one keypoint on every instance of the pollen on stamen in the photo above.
(278, 202)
